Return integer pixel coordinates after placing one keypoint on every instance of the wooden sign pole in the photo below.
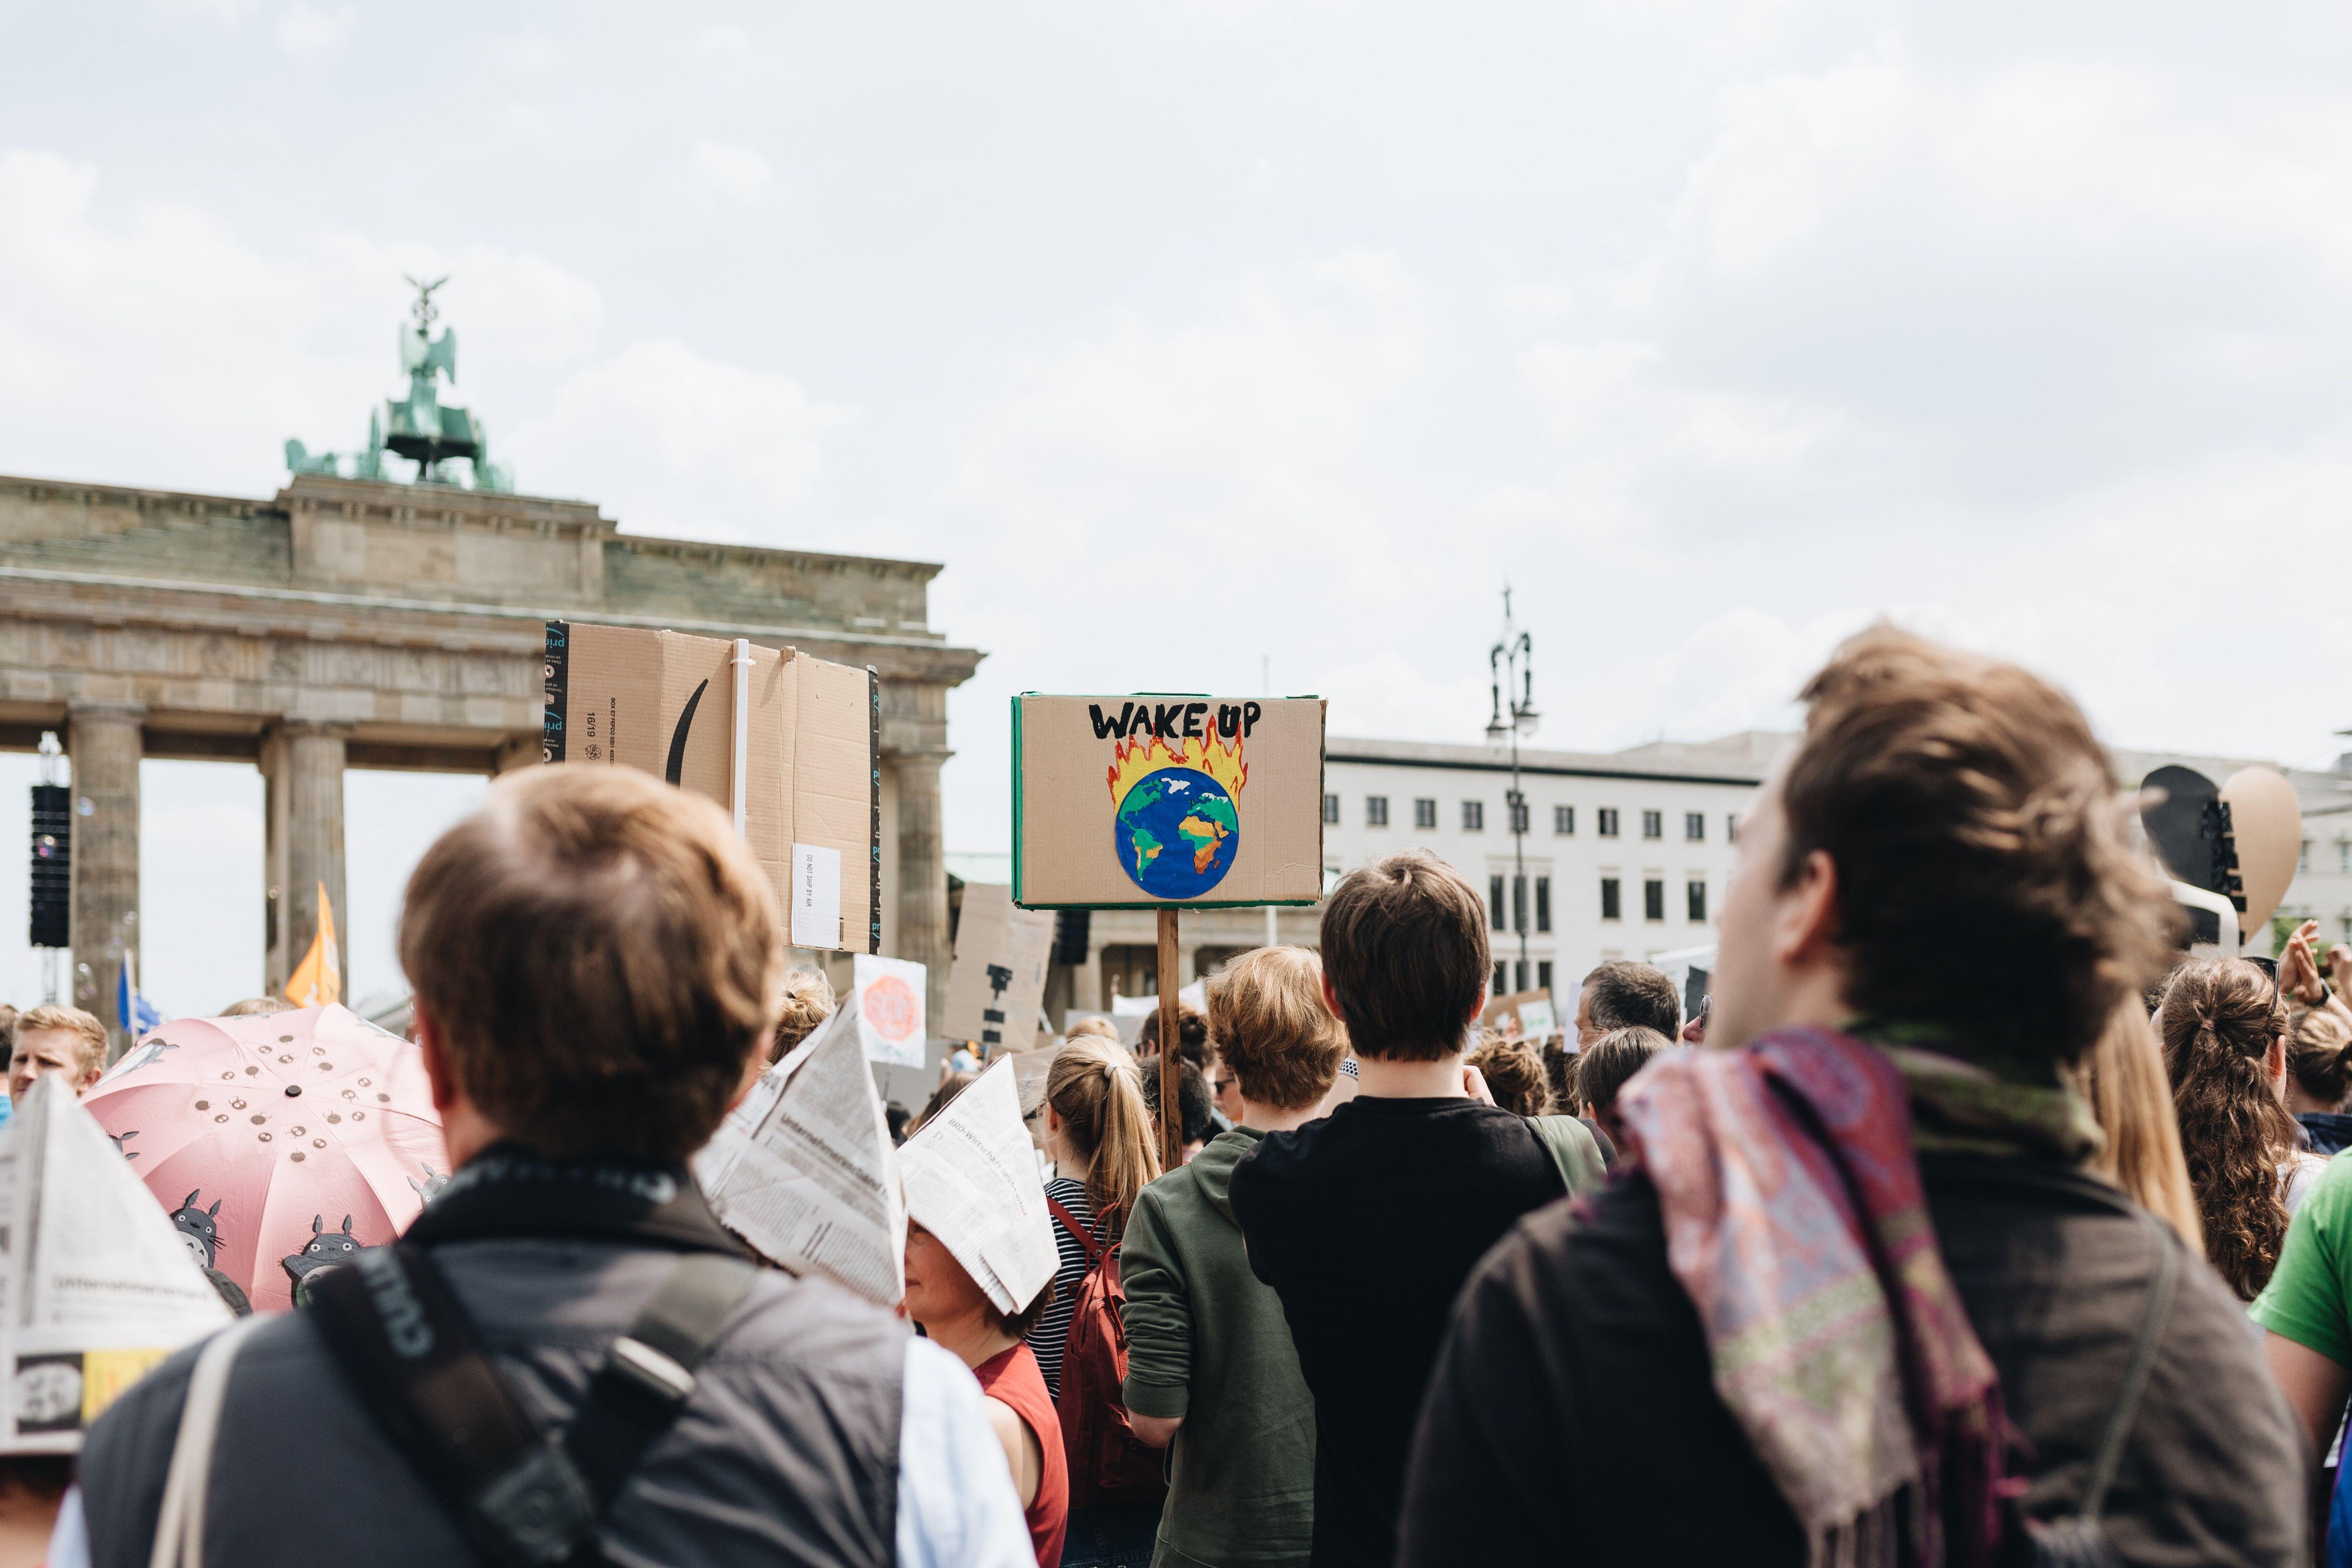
(1171, 1071)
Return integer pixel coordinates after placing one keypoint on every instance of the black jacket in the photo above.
(1573, 1418)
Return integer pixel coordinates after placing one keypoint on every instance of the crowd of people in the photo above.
(1971, 1223)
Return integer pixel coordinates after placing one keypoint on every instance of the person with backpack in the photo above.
(566, 1357)
(1857, 1298)
(1210, 1373)
(1366, 1222)
(1101, 1137)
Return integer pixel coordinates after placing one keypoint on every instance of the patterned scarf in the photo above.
(1795, 1219)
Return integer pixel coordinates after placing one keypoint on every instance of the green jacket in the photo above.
(1207, 1341)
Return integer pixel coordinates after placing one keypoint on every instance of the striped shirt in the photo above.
(1053, 1331)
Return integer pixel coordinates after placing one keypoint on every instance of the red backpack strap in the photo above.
(1070, 1222)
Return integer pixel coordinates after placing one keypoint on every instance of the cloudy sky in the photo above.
(1253, 338)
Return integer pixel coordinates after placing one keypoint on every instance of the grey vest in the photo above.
(787, 1452)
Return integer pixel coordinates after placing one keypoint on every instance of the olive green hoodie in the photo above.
(1207, 1341)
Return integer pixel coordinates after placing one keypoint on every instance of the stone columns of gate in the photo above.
(303, 816)
(923, 873)
(104, 741)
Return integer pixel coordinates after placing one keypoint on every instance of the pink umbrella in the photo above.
(280, 1143)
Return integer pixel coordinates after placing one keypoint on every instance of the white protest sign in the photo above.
(816, 896)
(999, 978)
(99, 1284)
(802, 1169)
(889, 993)
(971, 1181)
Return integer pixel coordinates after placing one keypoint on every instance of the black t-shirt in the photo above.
(1574, 1417)
(1366, 1223)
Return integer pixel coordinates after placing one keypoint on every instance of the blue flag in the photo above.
(135, 1013)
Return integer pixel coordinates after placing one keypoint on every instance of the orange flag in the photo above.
(319, 980)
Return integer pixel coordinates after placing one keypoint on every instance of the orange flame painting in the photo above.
(1133, 761)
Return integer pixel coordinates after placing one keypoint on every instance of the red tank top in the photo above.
(1012, 1376)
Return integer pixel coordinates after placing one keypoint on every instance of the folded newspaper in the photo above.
(971, 1181)
(803, 1170)
(96, 1284)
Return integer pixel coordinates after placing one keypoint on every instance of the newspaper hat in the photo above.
(803, 1170)
(98, 1284)
(971, 1181)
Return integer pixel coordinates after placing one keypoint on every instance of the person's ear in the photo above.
(440, 1072)
(1808, 921)
(2274, 1060)
(1330, 997)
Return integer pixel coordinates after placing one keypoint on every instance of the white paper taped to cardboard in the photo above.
(891, 1008)
(816, 897)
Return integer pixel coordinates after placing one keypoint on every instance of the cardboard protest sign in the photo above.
(1522, 1015)
(888, 997)
(971, 1181)
(1144, 802)
(97, 1284)
(665, 703)
(803, 1170)
(2266, 825)
(999, 978)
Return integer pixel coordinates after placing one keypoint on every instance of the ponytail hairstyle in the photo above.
(2319, 1054)
(1093, 1088)
(2218, 1020)
(2122, 1079)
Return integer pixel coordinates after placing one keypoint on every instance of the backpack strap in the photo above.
(1070, 1222)
(529, 1498)
(2154, 1315)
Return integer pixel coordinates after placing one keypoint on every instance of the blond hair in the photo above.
(601, 956)
(2122, 1077)
(1268, 1019)
(89, 1035)
(807, 1002)
(1097, 1028)
(1094, 1088)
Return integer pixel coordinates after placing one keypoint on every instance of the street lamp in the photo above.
(1510, 667)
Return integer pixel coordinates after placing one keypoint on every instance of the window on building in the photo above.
(1653, 825)
(1654, 899)
(1563, 820)
(1474, 817)
(1376, 811)
(1731, 827)
(1543, 903)
(2344, 854)
(1519, 906)
(2302, 856)
(1520, 814)
(1331, 811)
(1610, 910)
(1494, 901)
(1695, 826)
(1543, 974)
(1607, 824)
(1425, 813)
(1502, 980)
(1694, 896)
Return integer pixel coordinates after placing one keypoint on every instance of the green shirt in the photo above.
(2309, 1297)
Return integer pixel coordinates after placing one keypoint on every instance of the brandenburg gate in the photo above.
(355, 620)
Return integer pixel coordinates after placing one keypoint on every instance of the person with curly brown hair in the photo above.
(1513, 1075)
(2224, 1032)
(2319, 1076)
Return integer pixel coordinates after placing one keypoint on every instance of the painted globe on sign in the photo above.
(1176, 833)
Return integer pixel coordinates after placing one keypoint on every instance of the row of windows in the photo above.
(1654, 899)
(1507, 901)
(1503, 987)
(1563, 818)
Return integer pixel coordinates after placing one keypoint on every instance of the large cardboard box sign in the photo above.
(998, 982)
(663, 702)
(1156, 801)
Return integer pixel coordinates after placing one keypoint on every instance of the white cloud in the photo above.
(241, 341)
(307, 29)
(672, 442)
(731, 173)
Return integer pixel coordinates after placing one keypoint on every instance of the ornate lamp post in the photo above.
(1510, 666)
